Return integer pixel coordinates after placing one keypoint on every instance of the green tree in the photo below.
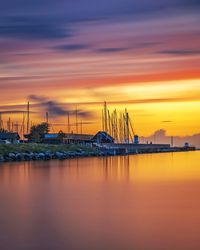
(37, 132)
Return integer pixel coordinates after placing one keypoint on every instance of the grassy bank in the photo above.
(38, 148)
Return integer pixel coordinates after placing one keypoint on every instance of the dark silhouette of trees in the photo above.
(37, 132)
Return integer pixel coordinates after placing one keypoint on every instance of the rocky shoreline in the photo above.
(69, 154)
(62, 155)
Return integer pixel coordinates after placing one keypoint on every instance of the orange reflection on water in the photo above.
(125, 202)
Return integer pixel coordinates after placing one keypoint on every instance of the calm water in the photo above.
(127, 202)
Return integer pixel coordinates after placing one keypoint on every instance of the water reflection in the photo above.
(158, 167)
(108, 168)
(126, 202)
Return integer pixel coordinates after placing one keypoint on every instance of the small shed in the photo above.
(53, 138)
(9, 137)
(100, 137)
(78, 138)
(103, 137)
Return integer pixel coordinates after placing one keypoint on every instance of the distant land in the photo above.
(160, 137)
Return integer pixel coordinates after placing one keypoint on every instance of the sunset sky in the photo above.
(139, 54)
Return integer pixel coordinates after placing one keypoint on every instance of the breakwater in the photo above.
(125, 148)
(61, 155)
(33, 152)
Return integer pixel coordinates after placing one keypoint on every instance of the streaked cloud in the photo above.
(24, 27)
(146, 44)
(56, 109)
(111, 50)
(181, 52)
(71, 47)
(9, 112)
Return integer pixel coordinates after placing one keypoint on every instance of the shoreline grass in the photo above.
(40, 148)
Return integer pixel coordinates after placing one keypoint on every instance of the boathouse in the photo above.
(103, 137)
(53, 138)
(9, 137)
(78, 138)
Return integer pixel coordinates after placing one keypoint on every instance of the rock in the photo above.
(79, 150)
(31, 155)
(92, 154)
(12, 156)
(18, 157)
(100, 154)
(65, 155)
(1, 159)
(71, 154)
(77, 154)
(41, 156)
(59, 155)
(35, 156)
(26, 156)
(7, 158)
(48, 155)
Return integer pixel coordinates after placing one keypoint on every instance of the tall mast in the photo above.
(28, 117)
(9, 124)
(105, 117)
(68, 122)
(47, 117)
(109, 122)
(17, 127)
(23, 127)
(127, 125)
(102, 119)
(76, 114)
(115, 125)
(81, 126)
